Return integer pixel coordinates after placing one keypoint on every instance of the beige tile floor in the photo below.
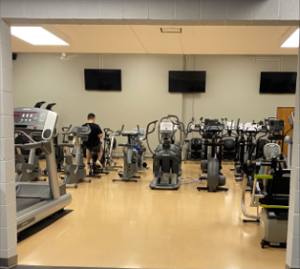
(128, 225)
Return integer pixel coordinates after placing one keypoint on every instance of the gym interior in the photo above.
(198, 105)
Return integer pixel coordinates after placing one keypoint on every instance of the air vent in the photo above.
(171, 30)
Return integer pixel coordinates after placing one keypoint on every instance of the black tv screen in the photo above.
(278, 82)
(187, 81)
(102, 79)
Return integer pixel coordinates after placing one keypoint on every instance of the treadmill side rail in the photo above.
(40, 211)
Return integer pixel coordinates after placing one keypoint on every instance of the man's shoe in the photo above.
(98, 163)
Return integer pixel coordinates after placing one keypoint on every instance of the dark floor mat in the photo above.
(40, 226)
(57, 267)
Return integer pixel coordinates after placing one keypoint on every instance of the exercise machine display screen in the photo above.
(271, 151)
(27, 117)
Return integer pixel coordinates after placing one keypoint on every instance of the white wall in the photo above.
(144, 96)
(232, 89)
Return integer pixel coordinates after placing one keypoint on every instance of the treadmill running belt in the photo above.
(23, 203)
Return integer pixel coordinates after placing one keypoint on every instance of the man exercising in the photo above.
(93, 143)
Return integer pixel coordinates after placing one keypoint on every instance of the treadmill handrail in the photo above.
(33, 145)
(27, 136)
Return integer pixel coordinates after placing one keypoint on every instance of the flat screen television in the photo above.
(278, 82)
(187, 81)
(103, 79)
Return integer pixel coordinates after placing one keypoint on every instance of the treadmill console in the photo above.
(271, 151)
(31, 119)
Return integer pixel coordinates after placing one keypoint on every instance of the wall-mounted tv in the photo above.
(278, 82)
(103, 79)
(187, 81)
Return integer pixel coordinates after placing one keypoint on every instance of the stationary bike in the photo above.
(75, 172)
(215, 179)
(95, 170)
(109, 145)
(132, 156)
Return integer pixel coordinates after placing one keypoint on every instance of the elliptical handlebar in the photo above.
(147, 133)
(177, 119)
(181, 127)
(148, 126)
(291, 122)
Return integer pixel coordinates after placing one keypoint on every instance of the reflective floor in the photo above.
(127, 225)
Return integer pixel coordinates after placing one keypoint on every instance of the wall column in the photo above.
(8, 227)
(293, 237)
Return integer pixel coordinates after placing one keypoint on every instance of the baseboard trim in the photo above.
(8, 262)
(288, 267)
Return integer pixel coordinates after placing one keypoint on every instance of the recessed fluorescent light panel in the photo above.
(171, 30)
(37, 36)
(292, 41)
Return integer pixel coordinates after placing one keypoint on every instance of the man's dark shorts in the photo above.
(95, 149)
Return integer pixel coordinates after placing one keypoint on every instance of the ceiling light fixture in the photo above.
(37, 36)
(171, 30)
(292, 41)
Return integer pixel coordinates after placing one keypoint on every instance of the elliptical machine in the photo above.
(212, 164)
(167, 155)
(193, 148)
(229, 147)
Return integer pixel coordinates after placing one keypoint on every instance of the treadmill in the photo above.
(37, 201)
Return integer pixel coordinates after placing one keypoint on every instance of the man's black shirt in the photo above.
(93, 139)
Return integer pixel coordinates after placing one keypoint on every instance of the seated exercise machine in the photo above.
(212, 164)
(167, 155)
(109, 145)
(106, 160)
(257, 149)
(38, 201)
(94, 169)
(75, 171)
(271, 191)
(133, 156)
